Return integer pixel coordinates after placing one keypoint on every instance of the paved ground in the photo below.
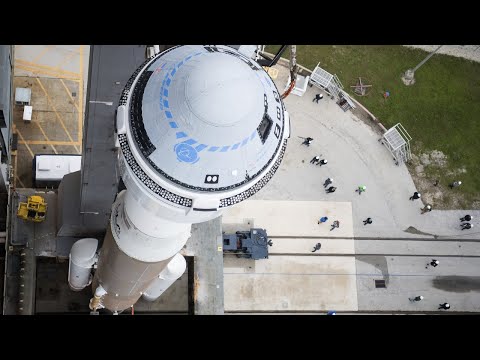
(395, 248)
(298, 280)
(290, 283)
(355, 157)
(407, 277)
(57, 75)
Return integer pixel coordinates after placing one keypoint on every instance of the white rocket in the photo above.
(200, 128)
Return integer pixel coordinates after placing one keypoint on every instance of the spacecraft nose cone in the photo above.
(222, 91)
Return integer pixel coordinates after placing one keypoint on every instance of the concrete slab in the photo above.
(291, 246)
(290, 283)
(455, 281)
(417, 247)
(292, 218)
(205, 245)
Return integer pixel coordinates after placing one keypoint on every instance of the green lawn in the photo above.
(441, 111)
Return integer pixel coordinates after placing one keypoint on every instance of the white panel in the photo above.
(55, 167)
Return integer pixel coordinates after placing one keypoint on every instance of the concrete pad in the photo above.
(455, 281)
(427, 247)
(290, 283)
(293, 218)
(283, 246)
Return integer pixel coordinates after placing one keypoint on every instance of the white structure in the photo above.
(83, 256)
(50, 169)
(200, 128)
(27, 113)
(300, 85)
(327, 81)
(397, 140)
(23, 96)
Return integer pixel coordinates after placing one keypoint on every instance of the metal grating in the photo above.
(321, 77)
(394, 138)
(380, 284)
(331, 83)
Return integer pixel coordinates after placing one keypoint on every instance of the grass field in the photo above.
(441, 111)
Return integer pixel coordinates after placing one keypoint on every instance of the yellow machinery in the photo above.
(34, 209)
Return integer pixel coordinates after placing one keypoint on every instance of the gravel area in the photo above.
(471, 52)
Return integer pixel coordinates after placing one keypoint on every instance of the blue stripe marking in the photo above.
(213, 148)
(188, 58)
(189, 141)
(179, 64)
(253, 135)
(165, 92)
(235, 147)
(173, 125)
(173, 71)
(168, 114)
(244, 142)
(225, 148)
(201, 147)
(181, 134)
(168, 81)
(165, 103)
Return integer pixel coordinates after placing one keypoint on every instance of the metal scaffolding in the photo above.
(327, 81)
(397, 140)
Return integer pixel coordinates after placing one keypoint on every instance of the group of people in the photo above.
(444, 306)
(316, 161)
(329, 188)
(464, 222)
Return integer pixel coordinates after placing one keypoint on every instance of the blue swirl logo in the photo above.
(186, 153)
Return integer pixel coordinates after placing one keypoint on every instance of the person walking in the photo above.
(368, 221)
(415, 196)
(323, 219)
(426, 208)
(455, 184)
(327, 182)
(336, 224)
(331, 189)
(416, 298)
(317, 247)
(314, 160)
(318, 97)
(466, 218)
(466, 226)
(322, 162)
(433, 263)
(307, 141)
(444, 306)
(361, 188)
